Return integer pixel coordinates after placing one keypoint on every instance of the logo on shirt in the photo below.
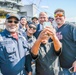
(59, 35)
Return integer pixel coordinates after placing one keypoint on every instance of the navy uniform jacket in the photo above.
(13, 54)
(39, 28)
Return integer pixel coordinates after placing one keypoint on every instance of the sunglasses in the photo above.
(58, 15)
(32, 27)
(10, 21)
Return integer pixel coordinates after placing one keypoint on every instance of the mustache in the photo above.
(58, 18)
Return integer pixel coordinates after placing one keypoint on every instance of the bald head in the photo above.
(43, 13)
(43, 17)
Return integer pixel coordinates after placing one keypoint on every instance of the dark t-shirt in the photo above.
(67, 35)
(47, 60)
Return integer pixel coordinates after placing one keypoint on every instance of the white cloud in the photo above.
(46, 7)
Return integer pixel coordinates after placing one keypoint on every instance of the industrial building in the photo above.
(15, 6)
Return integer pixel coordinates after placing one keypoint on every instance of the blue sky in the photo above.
(50, 6)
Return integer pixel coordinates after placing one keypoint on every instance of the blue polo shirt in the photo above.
(13, 54)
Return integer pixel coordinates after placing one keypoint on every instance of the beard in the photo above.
(12, 30)
(58, 24)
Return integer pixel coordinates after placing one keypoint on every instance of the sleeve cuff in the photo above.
(34, 56)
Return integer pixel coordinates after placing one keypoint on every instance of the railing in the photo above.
(2, 0)
(12, 1)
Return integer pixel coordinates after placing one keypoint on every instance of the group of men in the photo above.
(52, 49)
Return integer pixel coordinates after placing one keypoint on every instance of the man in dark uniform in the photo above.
(44, 52)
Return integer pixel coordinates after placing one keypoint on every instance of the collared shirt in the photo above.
(30, 40)
(13, 54)
(39, 28)
(21, 29)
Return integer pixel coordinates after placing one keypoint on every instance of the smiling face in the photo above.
(60, 18)
(12, 24)
(31, 29)
(43, 17)
(23, 21)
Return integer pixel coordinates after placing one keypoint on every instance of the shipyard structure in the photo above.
(15, 6)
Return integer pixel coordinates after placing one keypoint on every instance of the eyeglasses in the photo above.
(10, 21)
(58, 15)
(32, 27)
